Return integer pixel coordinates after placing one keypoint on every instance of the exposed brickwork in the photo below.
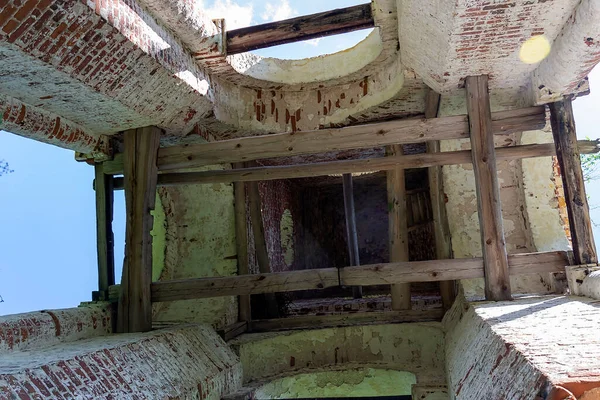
(94, 43)
(20, 118)
(190, 362)
(40, 329)
(481, 365)
(472, 37)
(523, 348)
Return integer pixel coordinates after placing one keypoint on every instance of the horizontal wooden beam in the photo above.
(353, 166)
(347, 319)
(366, 275)
(400, 131)
(306, 27)
(365, 165)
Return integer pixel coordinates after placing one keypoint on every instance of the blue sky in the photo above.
(47, 210)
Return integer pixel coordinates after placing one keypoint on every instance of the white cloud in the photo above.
(313, 42)
(278, 12)
(236, 16)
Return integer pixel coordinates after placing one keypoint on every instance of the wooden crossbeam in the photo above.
(364, 165)
(567, 152)
(135, 308)
(401, 131)
(398, 226)
(103, 186)
(351, 229)
(441, 229)
(366, 275)
(306, 27)
(493, 243)
(347, 319)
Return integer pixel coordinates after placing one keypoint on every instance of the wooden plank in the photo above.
(351, 166)
(400, 131)
(241, 240)
(351, 230)
(135, 308)
(232, 331)
(365, 275)
(398, 226)
(348, 319)
(441, 229)
(306, 27)
(497, 279)
(104, 234)
(260, 243)
(567, 152)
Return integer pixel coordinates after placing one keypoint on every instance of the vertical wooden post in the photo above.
(104, 233)
(443, 245)
(398, 227)
(140, 174)
(351, 231)
(495, 260)
(260, 244)
(241, 236)
(565, 139)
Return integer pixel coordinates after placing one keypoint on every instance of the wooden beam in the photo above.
(306, 27)
(241, 240)
(348, 319)
(441, 229)
(568, 154)
(260, 243)
(493, 243)
(232, 331)
(135, 307)
(398, 226)
(351, 230)
(364, 165)
(366, 275)
(103, 185)
(400, 131)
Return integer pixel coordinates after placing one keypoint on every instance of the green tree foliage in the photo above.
(590, 165)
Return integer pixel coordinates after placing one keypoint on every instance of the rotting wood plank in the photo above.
(306, 27)
(400, 131)
(232, 331)
(135, 307)
(493, 243)
(241, 240)
(366, 275)
(441, 229)
(398, 226)
(348, 319)
(260, 243)
(351, 229)
(364, 165)
(103, 186)
(568, 155)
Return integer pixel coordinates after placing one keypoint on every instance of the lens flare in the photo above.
(534, 50)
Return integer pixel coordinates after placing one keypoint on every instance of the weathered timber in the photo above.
(348, 319)
(497, 278)
(351, 230)
(568, 155)
(350, 166)
(260, 243)
(398, 226)
(135, 308)
(306, 27)
(241, 241)
(441, 229)
(365, 275)
(104, 234)
(232, 331)
(400, 131)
